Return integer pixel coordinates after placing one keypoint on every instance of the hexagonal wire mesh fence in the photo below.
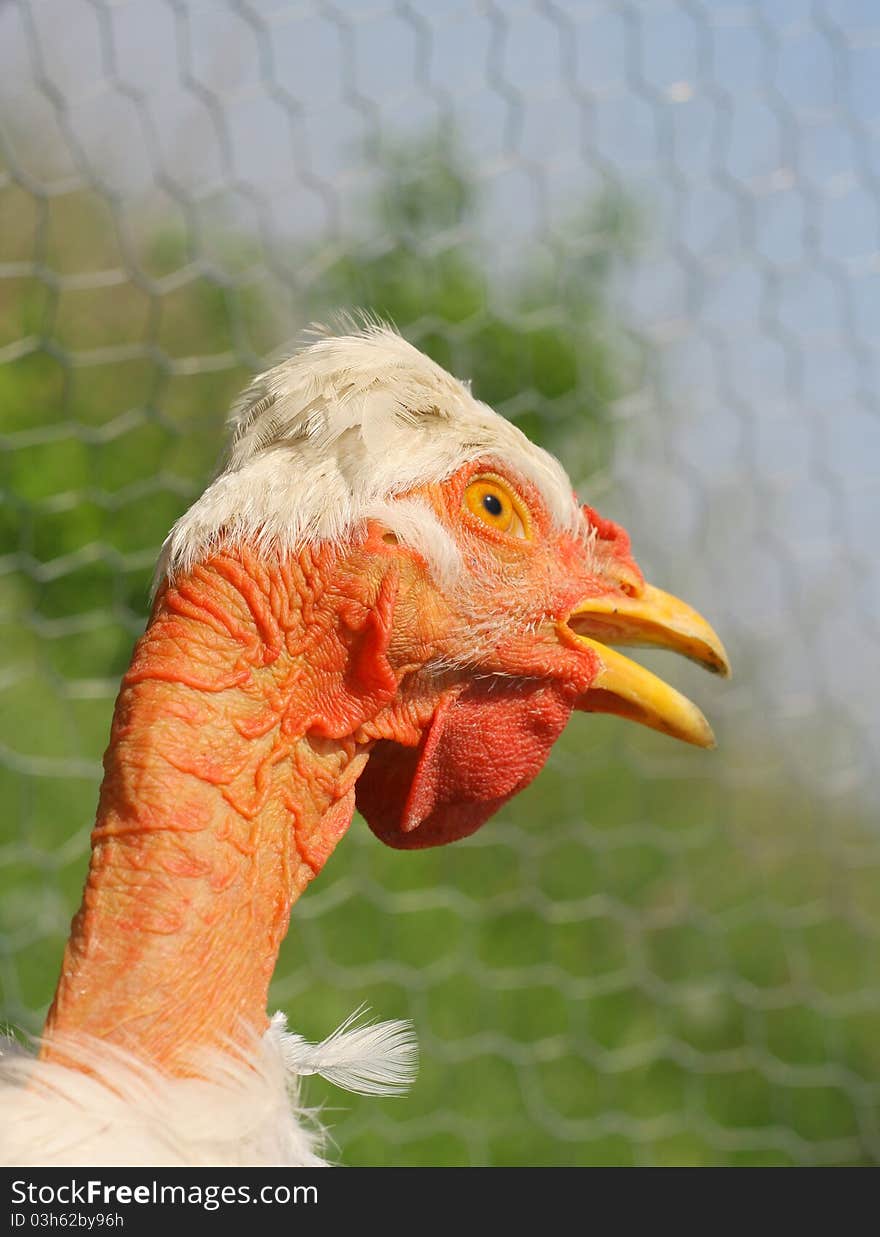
(648, 231)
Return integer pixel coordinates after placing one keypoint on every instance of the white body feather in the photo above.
(239, 1111)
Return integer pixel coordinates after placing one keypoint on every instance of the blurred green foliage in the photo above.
(648, 958)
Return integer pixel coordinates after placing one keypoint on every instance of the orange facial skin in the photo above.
(243, 734)
(493, 728)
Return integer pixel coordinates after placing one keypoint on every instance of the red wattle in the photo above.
(485, 743)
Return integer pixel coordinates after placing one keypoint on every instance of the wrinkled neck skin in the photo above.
(246, 715)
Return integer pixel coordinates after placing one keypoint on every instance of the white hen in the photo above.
(388, 596)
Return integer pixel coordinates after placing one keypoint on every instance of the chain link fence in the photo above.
(648, 230)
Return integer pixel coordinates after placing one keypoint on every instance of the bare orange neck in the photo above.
(225, 791)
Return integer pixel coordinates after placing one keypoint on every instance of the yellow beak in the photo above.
(629, 690)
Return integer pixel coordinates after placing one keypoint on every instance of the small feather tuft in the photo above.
(369, 1058)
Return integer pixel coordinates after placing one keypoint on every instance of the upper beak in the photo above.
(628, 689)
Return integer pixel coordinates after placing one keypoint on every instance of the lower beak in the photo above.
(629, 690)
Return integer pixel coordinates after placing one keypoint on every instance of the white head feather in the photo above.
(333, 435)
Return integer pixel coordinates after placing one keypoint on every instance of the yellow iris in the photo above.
(491, 500)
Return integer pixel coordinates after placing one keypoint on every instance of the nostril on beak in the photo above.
(649, 616)
(628, 582)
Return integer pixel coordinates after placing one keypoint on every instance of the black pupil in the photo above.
(492, 504)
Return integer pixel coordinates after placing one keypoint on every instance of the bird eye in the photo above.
(493, 502)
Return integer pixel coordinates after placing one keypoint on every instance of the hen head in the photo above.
(491, 597)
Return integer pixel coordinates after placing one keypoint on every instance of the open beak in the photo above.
(629, 690)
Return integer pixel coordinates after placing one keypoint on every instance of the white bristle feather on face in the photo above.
(334, 435)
